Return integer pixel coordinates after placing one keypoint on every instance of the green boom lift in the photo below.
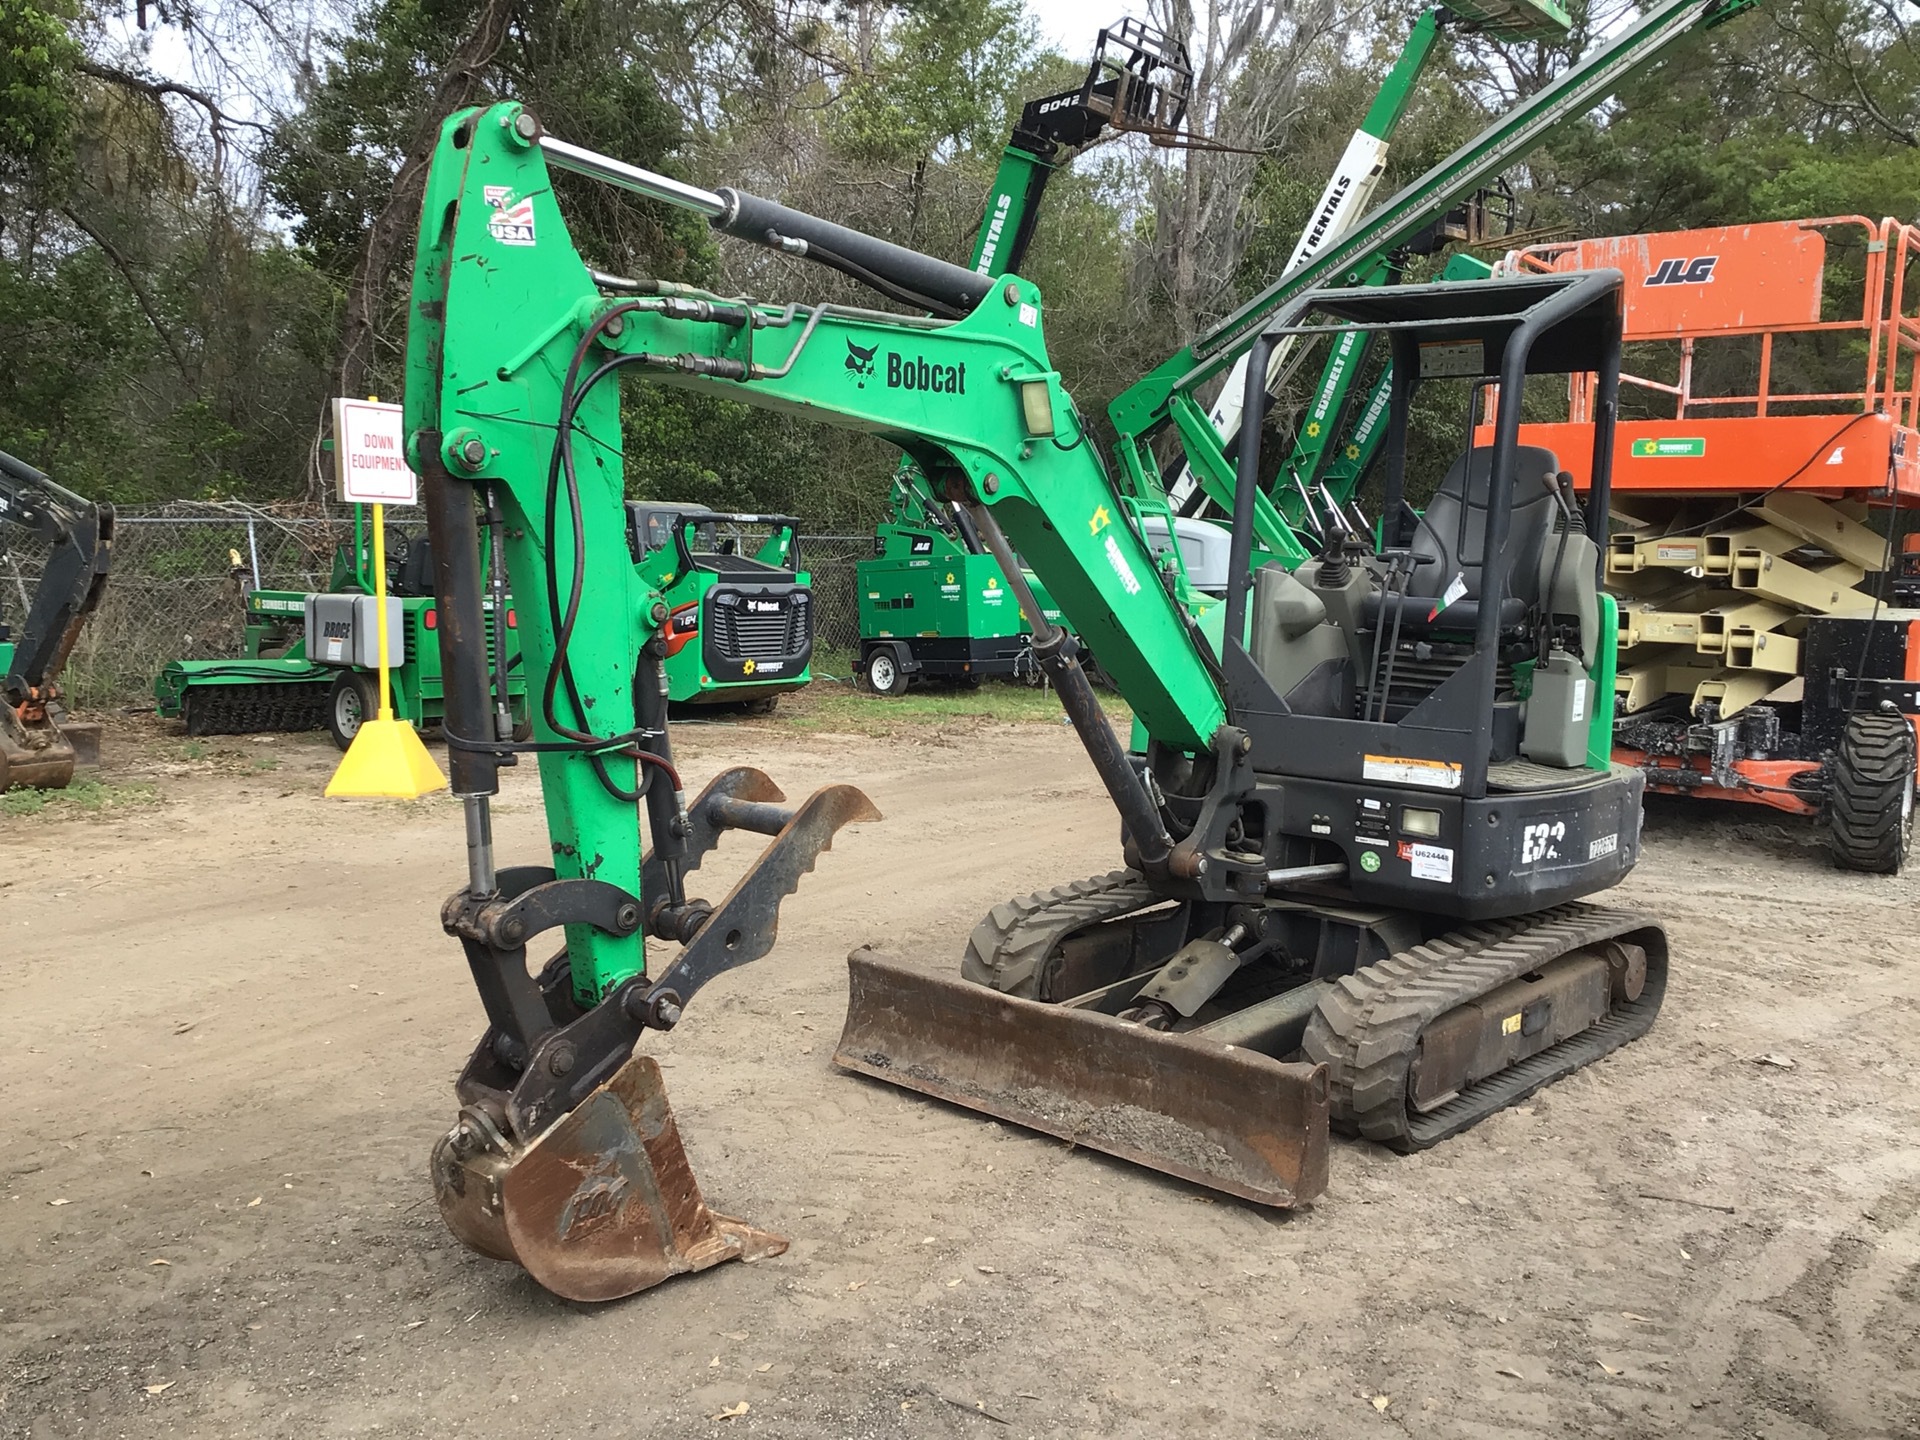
(934, 604)
(1372, 802)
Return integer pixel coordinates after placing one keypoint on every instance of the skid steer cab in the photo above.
(739, 628)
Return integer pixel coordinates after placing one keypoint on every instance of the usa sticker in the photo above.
(512, 222)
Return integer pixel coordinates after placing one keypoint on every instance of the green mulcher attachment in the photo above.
(310, 661)
(243, 697)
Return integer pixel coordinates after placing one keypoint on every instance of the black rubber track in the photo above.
(1367, 1028)
(1008, 950)
(1869, 822)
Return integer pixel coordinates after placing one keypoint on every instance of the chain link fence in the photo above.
(179, 572)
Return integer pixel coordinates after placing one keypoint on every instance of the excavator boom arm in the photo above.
(79, 536)
(975, 402)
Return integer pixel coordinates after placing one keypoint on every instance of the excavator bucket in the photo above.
(601, 1205)
(33, 756)
(1219, 1115)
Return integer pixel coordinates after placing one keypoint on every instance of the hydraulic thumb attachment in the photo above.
(566, 1158)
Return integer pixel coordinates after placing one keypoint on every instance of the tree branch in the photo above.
(157, 90)
(140, 296)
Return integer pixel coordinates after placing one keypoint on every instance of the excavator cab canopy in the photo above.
(1494, 585)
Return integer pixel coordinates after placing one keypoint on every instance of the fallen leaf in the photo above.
(1779, 1062)
(1509, 1373)
(255, 1201)
(253, 1327)
(159, 1262)
(162, 1387)
(1629, 1315)
(732, 1412)
(986, 1270)
(413, 1325)
(147, 1173)
(927, 1241)
(713, 1363)
(762, 1369)
(906, 1404)
(182, 1028)
(856, 1284)
(1380, 1403)
(733, 1334)
(1608, 1368)
(59, 1202)
(1685, 1256)
(952, 1283)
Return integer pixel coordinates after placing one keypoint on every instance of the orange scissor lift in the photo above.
(1759, 556)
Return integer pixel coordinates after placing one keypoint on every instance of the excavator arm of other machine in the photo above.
(36, 748)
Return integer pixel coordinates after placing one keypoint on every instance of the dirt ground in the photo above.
(232, 1024)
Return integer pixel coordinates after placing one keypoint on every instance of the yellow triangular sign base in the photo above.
(386, 760)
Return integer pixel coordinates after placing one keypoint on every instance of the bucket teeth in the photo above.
(600, 1205)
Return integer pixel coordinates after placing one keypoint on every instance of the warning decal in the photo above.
(1399, 770)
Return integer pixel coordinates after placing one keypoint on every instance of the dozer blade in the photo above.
(601, 1205)
(1219, 1115)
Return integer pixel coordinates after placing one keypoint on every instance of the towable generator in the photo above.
(1357, 846)
(311, 659)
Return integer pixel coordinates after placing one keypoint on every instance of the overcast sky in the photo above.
(1067, 25)
(1070, 25)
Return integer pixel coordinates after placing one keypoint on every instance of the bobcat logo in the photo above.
(860, 362)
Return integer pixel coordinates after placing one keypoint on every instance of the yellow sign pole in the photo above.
(380, 605)
(386, 757)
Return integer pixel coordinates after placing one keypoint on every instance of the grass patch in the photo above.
(83, 797)
(843, 709)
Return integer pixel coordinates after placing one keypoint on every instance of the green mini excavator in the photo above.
(1355, 852)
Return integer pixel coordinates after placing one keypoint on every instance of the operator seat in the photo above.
(415, 575)
(1449, 543)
